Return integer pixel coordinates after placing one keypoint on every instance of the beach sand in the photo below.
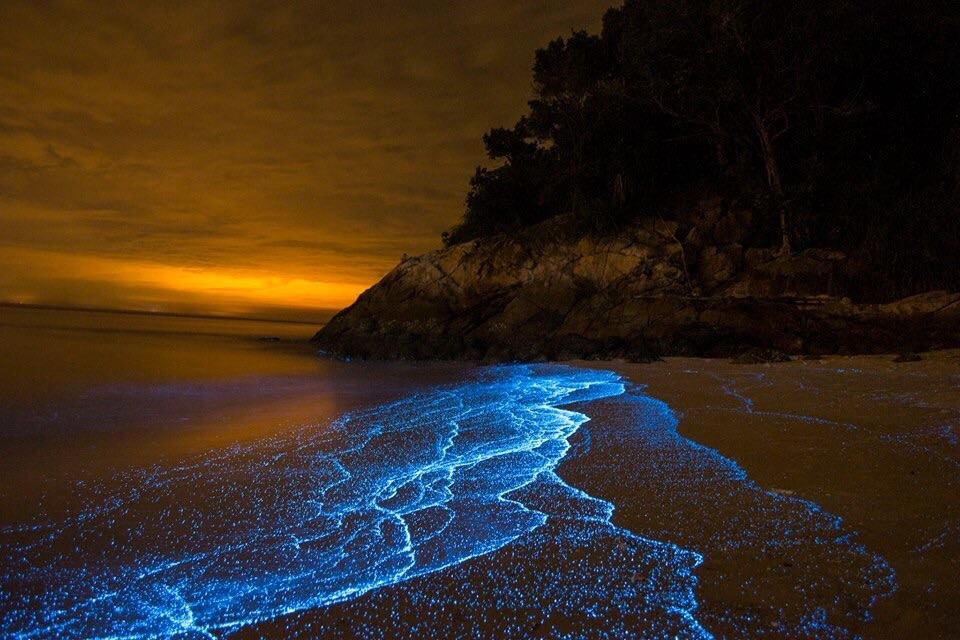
(845, 523)
(867, 439)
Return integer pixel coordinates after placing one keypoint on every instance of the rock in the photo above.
(810, 273)
(931, 302)
(544, 293)
(716, 266)
(908, 357)
(761, 356)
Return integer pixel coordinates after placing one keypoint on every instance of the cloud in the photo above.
(99, 282)
(319, 141)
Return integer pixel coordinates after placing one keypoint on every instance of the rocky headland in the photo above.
(654, 288)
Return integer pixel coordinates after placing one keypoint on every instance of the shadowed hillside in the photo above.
(704, 178)
(836, 123)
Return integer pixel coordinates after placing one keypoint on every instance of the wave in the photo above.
(442, 514)
(316, 517)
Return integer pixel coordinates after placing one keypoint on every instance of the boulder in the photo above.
(715, 266)
(544, 293)
(761, 356)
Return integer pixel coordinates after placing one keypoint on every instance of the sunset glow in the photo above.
(158, 287)
(235, 158)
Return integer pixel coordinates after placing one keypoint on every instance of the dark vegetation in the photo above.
(837, 122)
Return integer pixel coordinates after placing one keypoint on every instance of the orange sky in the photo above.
(246, 157)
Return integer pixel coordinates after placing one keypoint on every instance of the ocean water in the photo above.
(405, 501)
(85, 395)
(48, 353)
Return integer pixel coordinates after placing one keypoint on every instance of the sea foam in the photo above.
(323, 515)
(447, 514)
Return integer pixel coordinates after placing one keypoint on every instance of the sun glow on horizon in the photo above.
(222, 289)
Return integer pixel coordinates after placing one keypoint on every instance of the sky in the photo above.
(242, 157)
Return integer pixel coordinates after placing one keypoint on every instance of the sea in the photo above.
(84, 394)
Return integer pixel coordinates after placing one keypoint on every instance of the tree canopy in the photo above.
(838, 119)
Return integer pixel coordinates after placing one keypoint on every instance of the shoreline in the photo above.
(869, 440)
(655, 496)
(863, 437)
(163, 314)
(614, 362)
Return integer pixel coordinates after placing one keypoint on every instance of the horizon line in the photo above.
(173, 314)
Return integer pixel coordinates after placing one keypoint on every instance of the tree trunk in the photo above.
(619, 191)
(721, 153)
(772, 168)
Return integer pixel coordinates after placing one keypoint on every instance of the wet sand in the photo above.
(823, 502)
(872, 441)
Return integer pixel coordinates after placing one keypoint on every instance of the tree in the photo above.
(839, 118)
(511, 195)
(567, 75)
(744, 73)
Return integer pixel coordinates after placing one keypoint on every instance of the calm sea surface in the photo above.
(85, 394)
(48, 354)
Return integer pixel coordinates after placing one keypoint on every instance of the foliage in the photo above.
(843, 115)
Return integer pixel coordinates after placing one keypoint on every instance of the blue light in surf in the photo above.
(453, 502)
(326, 514)
(785, 567)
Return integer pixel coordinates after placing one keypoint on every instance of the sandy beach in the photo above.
(872, 441)
(820, 495)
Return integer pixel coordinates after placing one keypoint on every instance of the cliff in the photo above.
(546, 293)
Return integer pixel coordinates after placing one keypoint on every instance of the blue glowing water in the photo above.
(453, 499)
(759, 544)
(312, 518)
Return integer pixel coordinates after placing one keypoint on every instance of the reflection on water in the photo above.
(86, 394)
(48, 353)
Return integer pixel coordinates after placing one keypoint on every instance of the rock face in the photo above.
(545, 294)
